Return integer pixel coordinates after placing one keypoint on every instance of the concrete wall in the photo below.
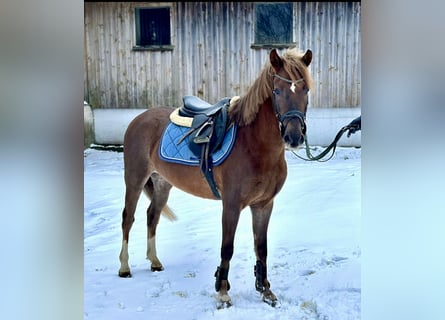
(110, 124)
(323, 124)
(88, 126)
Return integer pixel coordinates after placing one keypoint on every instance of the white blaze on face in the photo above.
(292, 87)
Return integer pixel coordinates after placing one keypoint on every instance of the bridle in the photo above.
(289, 115)
(352, 127)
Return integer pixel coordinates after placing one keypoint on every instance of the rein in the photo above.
(352, 127)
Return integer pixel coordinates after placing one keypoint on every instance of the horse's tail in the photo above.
(168, 213)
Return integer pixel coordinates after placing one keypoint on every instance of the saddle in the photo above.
(208, 125)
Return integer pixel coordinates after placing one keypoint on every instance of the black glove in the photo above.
(355, 125)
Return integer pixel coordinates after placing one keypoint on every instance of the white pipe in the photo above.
(323, 124)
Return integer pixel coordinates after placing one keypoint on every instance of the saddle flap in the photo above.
(199, 120)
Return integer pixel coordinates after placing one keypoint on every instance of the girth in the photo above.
(208, 125)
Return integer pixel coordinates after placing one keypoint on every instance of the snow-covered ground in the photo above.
(314, 261)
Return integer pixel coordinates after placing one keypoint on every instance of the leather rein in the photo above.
(352, 127)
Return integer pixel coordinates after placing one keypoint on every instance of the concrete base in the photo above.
(88, 126)
(323, 124)
(110, 124)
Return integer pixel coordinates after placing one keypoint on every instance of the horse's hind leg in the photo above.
(158, 190)
(260, 223)
(132, 193)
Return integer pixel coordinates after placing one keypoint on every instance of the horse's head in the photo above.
(290, 96)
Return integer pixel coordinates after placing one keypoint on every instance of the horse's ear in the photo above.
(307, 58)
(275, 60)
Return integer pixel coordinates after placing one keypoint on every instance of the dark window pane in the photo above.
(273, 23)
(154, 26)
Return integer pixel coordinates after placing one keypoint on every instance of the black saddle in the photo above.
(194, 106)
(209, 126)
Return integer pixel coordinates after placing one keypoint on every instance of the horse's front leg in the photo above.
(230, 218)
(260, 223)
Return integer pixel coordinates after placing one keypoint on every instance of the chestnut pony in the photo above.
(270, 117)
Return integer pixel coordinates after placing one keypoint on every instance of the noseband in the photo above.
(289, 115)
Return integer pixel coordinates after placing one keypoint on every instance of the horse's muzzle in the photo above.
(292, 134)
(293, 141)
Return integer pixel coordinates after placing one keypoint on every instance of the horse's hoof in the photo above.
(270, 299)
(270, 302)
(223, 302)
(125, 274)
(223, 305)
(156, 268)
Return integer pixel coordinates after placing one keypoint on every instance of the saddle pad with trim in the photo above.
(170, 151)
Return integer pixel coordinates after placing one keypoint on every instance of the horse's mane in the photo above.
(245, 110)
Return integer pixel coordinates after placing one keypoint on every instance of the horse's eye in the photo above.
(276, 91)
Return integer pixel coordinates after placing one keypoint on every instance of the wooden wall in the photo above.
(212, 56)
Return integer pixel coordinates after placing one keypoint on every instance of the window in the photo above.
(153, 29)
(273, 25)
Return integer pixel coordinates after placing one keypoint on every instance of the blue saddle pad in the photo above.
(170, 151)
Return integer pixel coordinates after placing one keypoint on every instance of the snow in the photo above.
(314, 260)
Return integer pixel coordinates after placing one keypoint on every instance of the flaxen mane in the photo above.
(245, 110)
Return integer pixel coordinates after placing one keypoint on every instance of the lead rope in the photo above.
(352, 127)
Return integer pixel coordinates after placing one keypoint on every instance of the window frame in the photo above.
(271, 44)
(137, 24)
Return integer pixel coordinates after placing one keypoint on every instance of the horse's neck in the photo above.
(266, 128)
